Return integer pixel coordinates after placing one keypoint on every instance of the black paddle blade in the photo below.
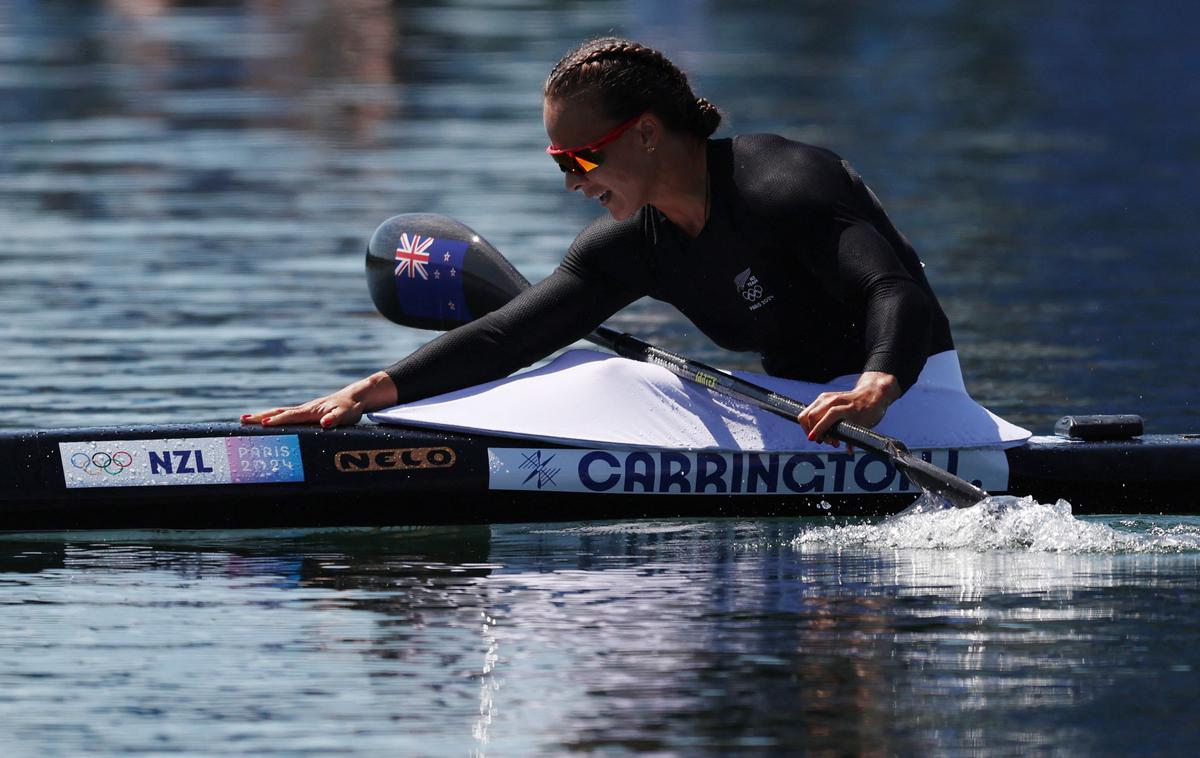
(958, 492)
(431, 272)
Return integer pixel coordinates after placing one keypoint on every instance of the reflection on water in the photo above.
(671, 636)
(185, 194)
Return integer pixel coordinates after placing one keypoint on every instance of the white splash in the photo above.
(1006, 524)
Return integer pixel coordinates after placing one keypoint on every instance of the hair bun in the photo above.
(709, 116)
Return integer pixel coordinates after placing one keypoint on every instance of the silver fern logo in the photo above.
(751, 290)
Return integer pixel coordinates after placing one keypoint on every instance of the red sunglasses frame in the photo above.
(586, 158)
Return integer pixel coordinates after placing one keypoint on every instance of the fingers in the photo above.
(825, 422)
(257, 418)
(828, 409)
(857, 406)
(297, 414)
(328, 412)
(302, 414)
(814, 418)
(340, 416)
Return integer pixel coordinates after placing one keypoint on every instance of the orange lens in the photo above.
(578, 163)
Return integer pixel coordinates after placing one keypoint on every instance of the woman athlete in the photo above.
(765, 244)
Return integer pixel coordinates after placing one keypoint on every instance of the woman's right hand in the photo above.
(342, 408)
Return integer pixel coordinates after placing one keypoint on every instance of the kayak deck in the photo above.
(227, 476)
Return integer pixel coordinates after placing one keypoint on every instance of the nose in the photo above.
(573, 182)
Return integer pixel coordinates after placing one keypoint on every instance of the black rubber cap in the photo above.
(1100, 427)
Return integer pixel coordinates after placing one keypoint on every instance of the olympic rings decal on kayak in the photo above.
(110, 463)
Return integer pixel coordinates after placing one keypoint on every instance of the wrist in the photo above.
(372, 393)
(883, 387)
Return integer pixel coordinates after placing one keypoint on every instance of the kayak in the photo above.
(648, 434)
(229, 476)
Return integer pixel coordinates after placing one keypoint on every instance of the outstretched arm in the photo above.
(546, 317)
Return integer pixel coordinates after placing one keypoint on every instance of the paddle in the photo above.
(432, 272)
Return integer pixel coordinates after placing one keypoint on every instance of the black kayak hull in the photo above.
(371, 475)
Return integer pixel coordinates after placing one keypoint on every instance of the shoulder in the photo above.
(606, 235)
(765, 151)
(780, 175)
(610, 249)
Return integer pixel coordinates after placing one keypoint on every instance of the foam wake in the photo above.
(1010, 524)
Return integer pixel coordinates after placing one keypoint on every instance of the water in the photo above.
(674, 637)
(185, 196)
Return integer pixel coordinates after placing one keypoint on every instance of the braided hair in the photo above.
(630, 78)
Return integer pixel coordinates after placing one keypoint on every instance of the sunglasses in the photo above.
(581, 160)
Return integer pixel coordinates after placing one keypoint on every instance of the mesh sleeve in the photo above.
(898, 312)
(546, 317)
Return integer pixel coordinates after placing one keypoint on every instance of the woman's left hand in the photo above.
(864, 405)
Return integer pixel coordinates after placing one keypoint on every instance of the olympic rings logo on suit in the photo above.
(109, 463)
(753, 293)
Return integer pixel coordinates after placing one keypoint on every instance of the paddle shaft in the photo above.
(628, 346)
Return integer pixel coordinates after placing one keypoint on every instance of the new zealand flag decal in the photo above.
(429, 277)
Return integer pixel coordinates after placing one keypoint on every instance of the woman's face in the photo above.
(622, 182)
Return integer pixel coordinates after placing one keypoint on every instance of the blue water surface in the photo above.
(186, 192)
(951, 636)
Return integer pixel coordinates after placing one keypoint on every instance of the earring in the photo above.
(650, 149)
